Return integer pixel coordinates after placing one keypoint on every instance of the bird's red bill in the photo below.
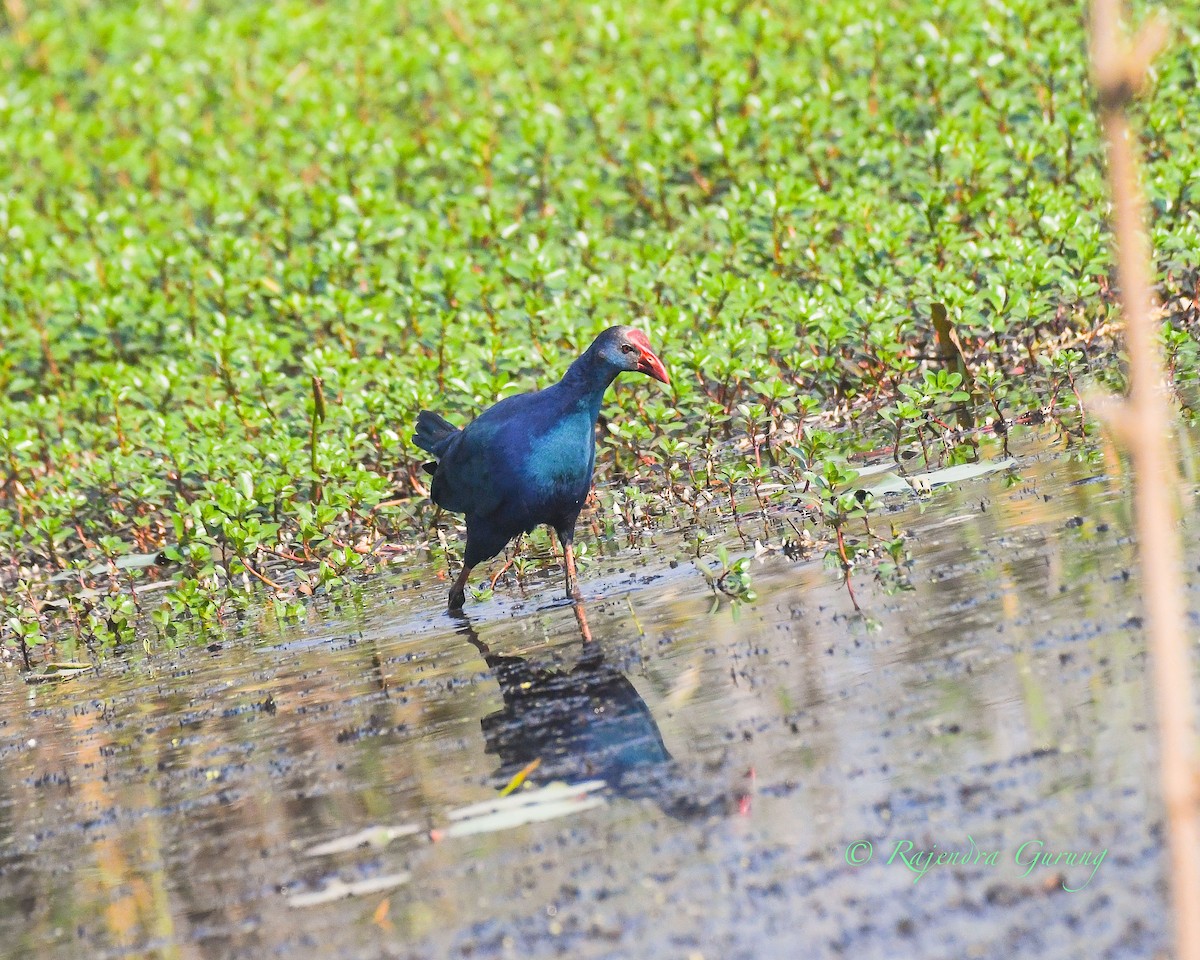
(648, 363)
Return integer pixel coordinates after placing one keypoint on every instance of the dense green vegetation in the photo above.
(242, 244)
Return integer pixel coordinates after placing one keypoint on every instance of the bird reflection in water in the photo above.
(588, 722)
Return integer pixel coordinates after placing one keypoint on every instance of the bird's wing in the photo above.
(479, 469)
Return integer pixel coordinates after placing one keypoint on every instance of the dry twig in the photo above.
(1142, 425)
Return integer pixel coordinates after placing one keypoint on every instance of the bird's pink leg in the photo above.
(581, 618)
(572, 579)
(458, 592)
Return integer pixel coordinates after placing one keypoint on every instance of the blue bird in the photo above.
(528, 459)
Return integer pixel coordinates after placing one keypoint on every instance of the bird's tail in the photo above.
(433, 432)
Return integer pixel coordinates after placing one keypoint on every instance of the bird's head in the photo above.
(626, 348)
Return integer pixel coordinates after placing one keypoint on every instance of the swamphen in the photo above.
(528, 459)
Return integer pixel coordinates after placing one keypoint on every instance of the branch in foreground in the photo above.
(1142, 425)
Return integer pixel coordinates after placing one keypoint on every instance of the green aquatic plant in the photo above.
(730, 578)
(241, 245)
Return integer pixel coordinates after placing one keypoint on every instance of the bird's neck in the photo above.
(587, 379)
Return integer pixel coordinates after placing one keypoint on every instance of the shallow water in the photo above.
(163, 805)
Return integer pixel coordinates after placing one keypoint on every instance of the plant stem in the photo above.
(1143, 421)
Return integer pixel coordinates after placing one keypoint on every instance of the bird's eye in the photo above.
(628, 348)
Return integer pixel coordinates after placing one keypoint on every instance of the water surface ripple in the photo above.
(162, 806)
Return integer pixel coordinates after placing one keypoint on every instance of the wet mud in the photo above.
(775, 779)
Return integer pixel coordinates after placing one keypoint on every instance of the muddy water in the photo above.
(164, 805)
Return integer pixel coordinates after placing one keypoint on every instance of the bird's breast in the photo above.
(561, 459)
